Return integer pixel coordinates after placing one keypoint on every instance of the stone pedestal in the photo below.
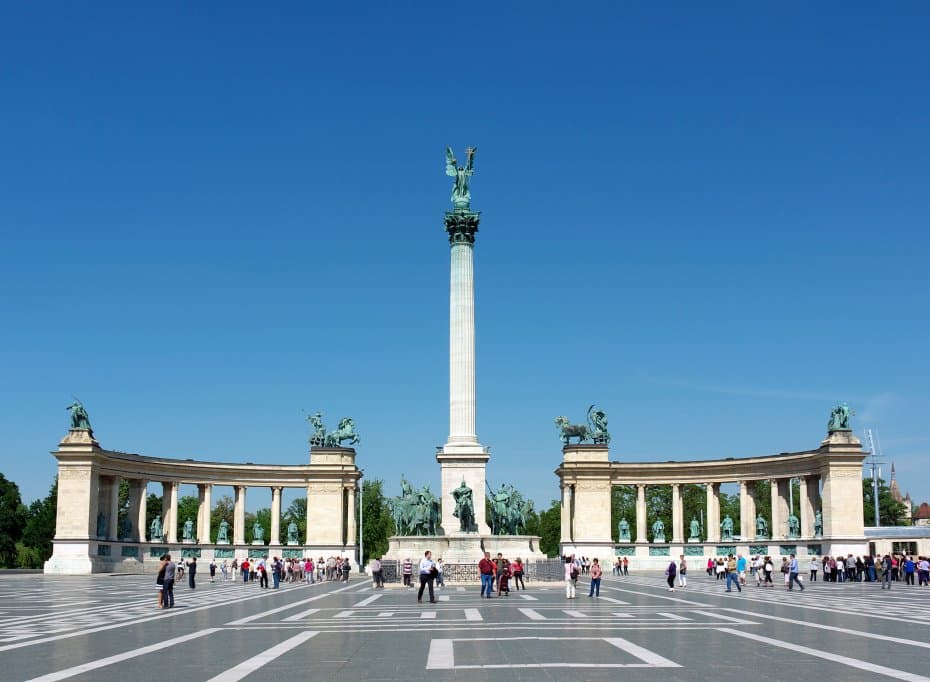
(456, 465)
(464, 548)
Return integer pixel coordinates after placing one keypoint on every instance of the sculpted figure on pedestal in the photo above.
(292, 533)
(726, 529)
(258, 533)
(818, 524)
(464, 508)
(794, 527)
(155, 532)
(223, 534)
(658, 531)
(762, 528)
(79, 418)
(623, 531)
(188, 533)
(695, 529)
(461, 197)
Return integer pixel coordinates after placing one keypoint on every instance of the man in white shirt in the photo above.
(427, 575)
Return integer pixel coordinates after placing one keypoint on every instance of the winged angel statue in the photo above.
(461, 197)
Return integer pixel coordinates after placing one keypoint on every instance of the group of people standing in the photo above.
(575, 567)
(497, 573)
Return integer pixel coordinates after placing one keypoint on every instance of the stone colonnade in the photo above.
(830, 479)
(88, 503)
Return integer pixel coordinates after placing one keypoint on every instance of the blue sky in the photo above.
(712, 224)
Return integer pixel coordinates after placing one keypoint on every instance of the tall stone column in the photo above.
(113, 512)
(712, 527)
(172, 528)
(310, 502)
(275, 516)
(566, 515)
(462, 458)
(350, 515)
(641, 537)
(677, 520)
(780, 507)
(205, 493)
(747, 512)
(239, 516)
(807, 512)
(137, 510)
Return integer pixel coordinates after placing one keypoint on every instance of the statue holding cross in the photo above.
(461, 197)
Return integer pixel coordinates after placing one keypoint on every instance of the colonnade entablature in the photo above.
(88, 502)
(830, 500)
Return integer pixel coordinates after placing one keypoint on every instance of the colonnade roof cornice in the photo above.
(730, 469)
(129, 465)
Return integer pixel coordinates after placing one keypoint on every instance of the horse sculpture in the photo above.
(345, 431)
(569, 430)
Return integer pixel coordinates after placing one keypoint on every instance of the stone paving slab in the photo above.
(105, 628)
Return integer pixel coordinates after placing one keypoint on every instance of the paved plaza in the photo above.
(108, 628)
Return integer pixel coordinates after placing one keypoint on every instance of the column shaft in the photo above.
(113, 518)
(462, 346)
(173, 511)
(350, 516)
(677, 519)
(712, 527)
(239, 516)
(641, 514)
(275, 516)
(566, 510)
(203, 513)
(807, 512)
(310, 502)
(136, 503)
(747, 512)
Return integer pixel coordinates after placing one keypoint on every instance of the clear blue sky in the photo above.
(712, 224)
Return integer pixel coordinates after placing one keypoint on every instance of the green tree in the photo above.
(378, 524)
(693, 506)
(188, 506)
(12, 520)
(890, 511)
(550, 529)
(622, 506)
(122, 516)
(729, 506)
(39, 530)
(296, 512)
(223, 510)
(659, 506)
(152, 509)
(762, 492)
(263, 516)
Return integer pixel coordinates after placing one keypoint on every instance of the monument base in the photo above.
(464, 548)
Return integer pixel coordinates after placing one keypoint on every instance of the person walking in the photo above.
(276, 567)
(793, 574)
(670, 572)
(768, 568)
(262, 574)
(191, 572)
(682, 571)
(626, 566)
(212, 570)
(427, 575)
(517, 567)
(595, 572)
(168, 586)
(160, 582)
(571, 576)
(886, 572)
(408, 573)
(375, 568)
(224, 569)
(732, 574)
(486, 569)
(244, 567)
(815, 565)
(439, 570)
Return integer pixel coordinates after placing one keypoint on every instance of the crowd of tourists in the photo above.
(886, 569)
(259, 570)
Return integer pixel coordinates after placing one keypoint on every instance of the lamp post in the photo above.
(361, 525)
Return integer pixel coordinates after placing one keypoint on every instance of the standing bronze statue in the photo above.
(79, 418)
(464, 508)
(461, 197)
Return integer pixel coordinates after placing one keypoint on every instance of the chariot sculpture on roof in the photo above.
(344, 432)
(595, 430)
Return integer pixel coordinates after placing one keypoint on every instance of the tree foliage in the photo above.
(12, 520)
(550, 529)
(223, 510)
(39, 531)
(890, 511)
(297, 512)
(188, 506)
(378, 524)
